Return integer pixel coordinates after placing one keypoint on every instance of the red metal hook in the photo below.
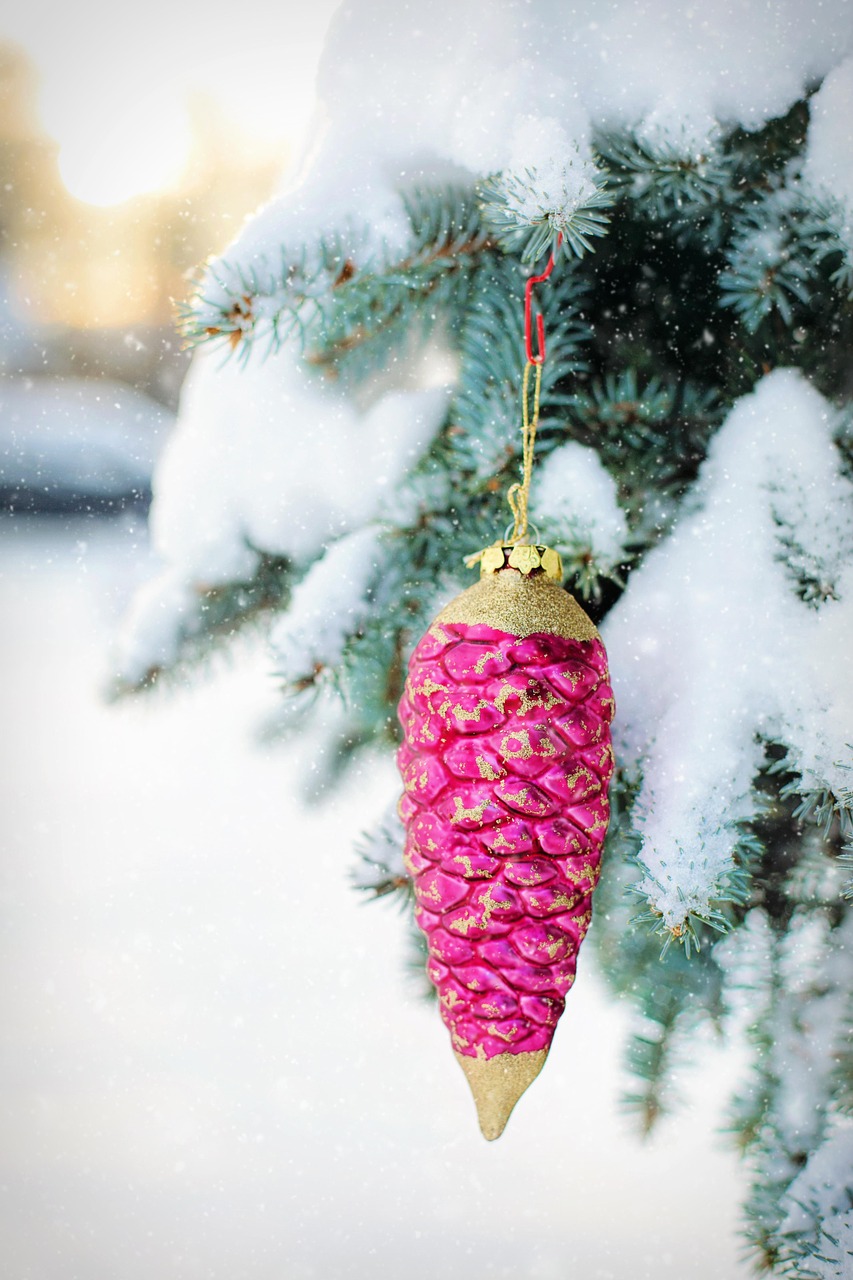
(539, 358)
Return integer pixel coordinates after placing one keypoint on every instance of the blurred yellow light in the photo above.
(139, 150)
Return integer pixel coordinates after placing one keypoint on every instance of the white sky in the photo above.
(115, 79)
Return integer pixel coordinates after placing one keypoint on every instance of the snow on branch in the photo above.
(545, 84)
(576, 509)
(380, 869)
(671, 180)
(310, 284)
(302, 466)
(550, 195)
(828, 167)
(327, 606)
(818, 1203)
(729, 636)
(790, 989)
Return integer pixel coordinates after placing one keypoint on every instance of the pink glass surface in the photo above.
(506, 761)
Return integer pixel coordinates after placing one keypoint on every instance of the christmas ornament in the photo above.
(506, 760)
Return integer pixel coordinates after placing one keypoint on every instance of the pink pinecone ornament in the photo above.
(506, 761)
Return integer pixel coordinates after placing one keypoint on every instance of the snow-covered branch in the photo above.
(731, 635)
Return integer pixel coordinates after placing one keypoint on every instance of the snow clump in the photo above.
(327, 606)
(732, 633)
(574, 501)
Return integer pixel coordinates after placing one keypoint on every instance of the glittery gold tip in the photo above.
(498, 1083)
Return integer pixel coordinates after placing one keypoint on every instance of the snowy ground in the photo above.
(213, 1064)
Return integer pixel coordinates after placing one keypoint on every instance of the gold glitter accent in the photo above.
(525, 750)
(433, 893)
(480, 664)
(450, 999)
(534, 879)
(486, 770)
(527, 701)
(442, 636)
(462, 714)
(522, 752)
(497, 1084)
(499, 841)
(519, 796)
(509, 1036)
(413, 783)
(518, 605)
(491, 907)
(471, 815)
(465, 861)
(576, 877)
(429, 686)
(463, 924)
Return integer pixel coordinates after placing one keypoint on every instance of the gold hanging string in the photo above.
(518, 494)
(516, 552)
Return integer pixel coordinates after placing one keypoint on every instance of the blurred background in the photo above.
(214, 1063)
(130, 150)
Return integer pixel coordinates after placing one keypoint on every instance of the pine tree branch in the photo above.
(327, 300)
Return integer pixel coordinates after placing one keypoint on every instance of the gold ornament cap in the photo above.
(524, 556)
